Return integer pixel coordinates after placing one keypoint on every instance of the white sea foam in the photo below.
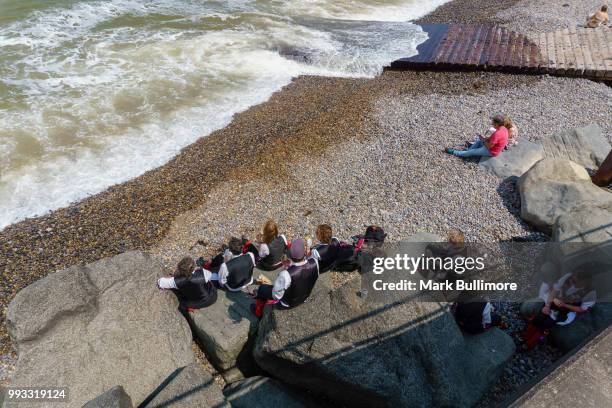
(100, 92)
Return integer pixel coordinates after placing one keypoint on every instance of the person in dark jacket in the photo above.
(294, 284)
(236, 273)
(269, 248)
(454, 247)
(327, 250)
(232, 268)
(192, 285)
(476, 317)
(233, 248)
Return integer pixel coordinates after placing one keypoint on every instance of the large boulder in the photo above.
(116, 397)
(223, 329)
(553, 187)
(187, 387)
(593, 144)
(96, 326)
(587, 146)
(265, 392)
(358, 352)
(588, 223)
(515, 161)
(584, 233)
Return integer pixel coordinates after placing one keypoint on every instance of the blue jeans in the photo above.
(477, 149)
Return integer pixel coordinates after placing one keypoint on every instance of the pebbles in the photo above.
(529, 16)
(526, 16)
(525, 365)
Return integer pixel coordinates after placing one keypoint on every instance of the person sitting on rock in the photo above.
(513, 132)
(600, 17)
(475, 317)
(293, 284)
(269, 248)
(233, 249)
(568, 297)
(192, 285)
(453, 248)
(236, 272)
(326, 251)
(490, 146)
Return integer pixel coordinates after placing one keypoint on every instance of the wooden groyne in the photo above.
(577, 52)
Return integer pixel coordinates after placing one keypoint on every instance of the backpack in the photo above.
(374, 234)
(349, 256)
(347, 259)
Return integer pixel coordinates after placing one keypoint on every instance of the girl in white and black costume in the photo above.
(269, 248)
(192, 286)
(294, 284)
(231, 269)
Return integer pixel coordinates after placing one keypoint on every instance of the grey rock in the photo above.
(585, 232)
(569, 337)
(594, 143)
(357, 352)
(515, 161)
(96, 326)
(586, 223)
(265, 392)
(586, 146)
(223, 328)
(232, 375)
(553, 187)
(116, 397)
(189, 386)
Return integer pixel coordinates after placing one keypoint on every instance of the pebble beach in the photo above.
(348, 152)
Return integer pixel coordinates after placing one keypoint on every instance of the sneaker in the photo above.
(450, 151)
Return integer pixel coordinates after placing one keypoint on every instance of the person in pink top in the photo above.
(487, 146)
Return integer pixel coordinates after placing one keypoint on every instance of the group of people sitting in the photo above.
(559, 301)
(300, 262)
(502, 134)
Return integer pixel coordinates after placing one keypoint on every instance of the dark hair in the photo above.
(604, 8)
(584, 272)
(499, 120)
(185, 267)
(324, 233)
(235, 245)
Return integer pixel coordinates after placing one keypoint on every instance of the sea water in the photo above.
(94, 93)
